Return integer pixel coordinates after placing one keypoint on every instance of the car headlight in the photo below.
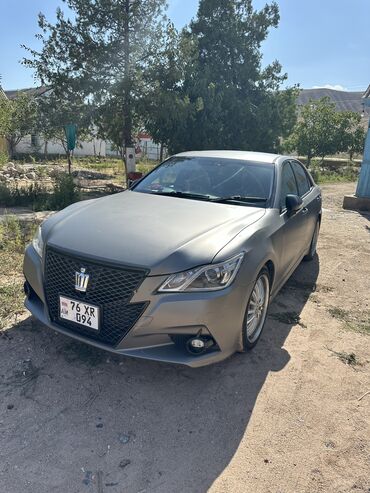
(208, 278)
(37, 242)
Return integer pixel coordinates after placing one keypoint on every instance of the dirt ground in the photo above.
(286, 418)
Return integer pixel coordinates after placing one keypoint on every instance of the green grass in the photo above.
(327, 178)
(113, 167)
(99, 165)
(321, 177)
(13, 239)
(145, 167)
(351, 321)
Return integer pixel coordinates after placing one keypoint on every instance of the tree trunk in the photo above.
(161, 152)
(69, 161)
(11, 146)
(127, 103)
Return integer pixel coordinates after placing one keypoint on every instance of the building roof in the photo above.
(344, 100)
(30, 91)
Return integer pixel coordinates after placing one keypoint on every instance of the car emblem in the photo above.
(82, 280)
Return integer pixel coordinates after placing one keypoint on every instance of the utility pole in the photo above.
(129, 150)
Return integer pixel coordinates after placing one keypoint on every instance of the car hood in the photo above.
(162, 234)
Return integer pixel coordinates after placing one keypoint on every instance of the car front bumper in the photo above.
(217, 314)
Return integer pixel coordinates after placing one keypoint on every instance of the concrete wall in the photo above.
(95, 147)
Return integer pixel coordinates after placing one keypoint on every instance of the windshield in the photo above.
(214, 179)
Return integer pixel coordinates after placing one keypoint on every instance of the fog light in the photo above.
(199, 345)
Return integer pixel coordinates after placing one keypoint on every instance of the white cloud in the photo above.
(335, 87)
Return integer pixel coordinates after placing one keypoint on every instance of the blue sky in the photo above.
(318, 42)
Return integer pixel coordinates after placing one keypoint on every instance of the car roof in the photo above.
(258, 157)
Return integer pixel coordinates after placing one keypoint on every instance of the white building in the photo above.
(35, 144)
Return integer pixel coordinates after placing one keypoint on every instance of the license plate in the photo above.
(79, 313)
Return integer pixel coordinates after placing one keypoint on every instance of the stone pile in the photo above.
(12, 172)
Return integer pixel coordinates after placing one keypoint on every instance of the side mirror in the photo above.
(293, 203)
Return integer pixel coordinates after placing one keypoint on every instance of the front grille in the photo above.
(110, 288)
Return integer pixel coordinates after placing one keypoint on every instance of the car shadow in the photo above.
(366, 215)
(75, 418)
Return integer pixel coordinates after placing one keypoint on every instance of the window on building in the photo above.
(35, 141)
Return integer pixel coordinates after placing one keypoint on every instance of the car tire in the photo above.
(256, 311)
(313, 245)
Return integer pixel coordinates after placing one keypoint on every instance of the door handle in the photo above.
(304, 210)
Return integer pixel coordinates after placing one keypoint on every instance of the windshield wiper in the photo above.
(209, 198)
(239, 198)
(186, 195)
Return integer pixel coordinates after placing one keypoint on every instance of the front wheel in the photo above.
(256, 312)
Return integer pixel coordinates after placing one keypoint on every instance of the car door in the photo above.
(293, 226)
(310, 197)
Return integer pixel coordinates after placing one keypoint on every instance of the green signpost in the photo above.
(70, 131)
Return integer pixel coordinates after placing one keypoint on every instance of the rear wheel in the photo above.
(312, 252)
(256, 312)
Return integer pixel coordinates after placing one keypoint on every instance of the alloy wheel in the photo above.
(257, 308)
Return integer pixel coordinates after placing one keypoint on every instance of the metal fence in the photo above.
(150, 151)
(144, 150)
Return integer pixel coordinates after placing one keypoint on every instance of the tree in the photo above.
(101, 53)
(55, 112)
(17, 119)
(351, 133)
(314, 134)
(165, 107)
(221, 97)
(322, 131)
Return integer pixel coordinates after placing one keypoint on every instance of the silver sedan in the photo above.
(182, 267)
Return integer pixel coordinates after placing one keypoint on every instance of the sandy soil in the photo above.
(286, 418)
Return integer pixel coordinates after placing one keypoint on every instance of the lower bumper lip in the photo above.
(167, 353)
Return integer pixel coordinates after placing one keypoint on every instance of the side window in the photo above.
(288, 184)
(303, 182)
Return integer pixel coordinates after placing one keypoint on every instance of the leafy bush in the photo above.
(65, 192)
(5, 195)
(11, 234)
(35, 196)
(4, 158)
(42, 171)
